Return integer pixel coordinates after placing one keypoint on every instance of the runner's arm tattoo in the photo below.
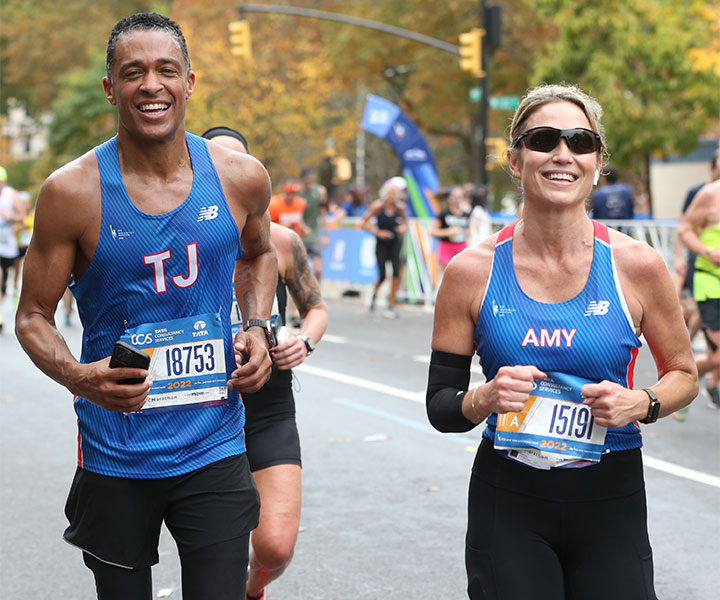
(300, 281)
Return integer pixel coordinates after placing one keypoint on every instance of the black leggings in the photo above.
(218, 572)
(522, 546)
(388, 250)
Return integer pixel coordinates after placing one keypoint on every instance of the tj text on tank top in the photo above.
(151, 269)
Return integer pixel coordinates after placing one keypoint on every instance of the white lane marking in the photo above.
(419, 397)
(425, 358)
(334, 339)
(678, 471)
(363, 383)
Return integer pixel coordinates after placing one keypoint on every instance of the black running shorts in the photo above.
(271, 434)
(710, 314)
(118, 520)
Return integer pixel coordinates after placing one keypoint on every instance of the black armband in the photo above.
(448, 381)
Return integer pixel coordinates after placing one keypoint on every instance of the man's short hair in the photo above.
(306, 172)
(144, 22)
(611, 174)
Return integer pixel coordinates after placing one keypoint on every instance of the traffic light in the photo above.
(495, 148)
(471, 51)
(240, 39)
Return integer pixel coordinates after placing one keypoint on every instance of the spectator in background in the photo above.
(642, 202)
(451, 228)
(288, 208)
(23, 232)
(613, 200)
(8, 242)
(353, 205)
(480, 219)
(315, 196)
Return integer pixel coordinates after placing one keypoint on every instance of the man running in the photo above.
(149, 226)
(315, 196)
(271, 434)
(287, 209)
(684, 275)
(699, 230)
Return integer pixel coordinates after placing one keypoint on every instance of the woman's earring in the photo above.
(597, 177)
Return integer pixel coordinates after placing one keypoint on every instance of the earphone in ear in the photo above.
(597, 177)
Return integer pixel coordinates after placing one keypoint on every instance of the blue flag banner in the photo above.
(387, 121)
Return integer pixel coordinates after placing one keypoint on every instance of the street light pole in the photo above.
(482, 125)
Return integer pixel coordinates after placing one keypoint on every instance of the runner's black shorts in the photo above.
(579, 534)
(388, 250)
(117, 520)
(710, 314)
(313, 249)
(271, 434)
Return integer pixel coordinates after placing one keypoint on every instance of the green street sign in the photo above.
(503, 102)
(506, 102)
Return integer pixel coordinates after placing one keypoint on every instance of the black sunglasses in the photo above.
(545, 139)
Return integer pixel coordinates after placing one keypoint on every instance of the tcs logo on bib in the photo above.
(140, 339)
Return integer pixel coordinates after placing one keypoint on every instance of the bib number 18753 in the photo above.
(190, 360)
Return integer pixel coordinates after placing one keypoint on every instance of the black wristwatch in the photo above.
(266, 327)
(309, 346)
(654, 409)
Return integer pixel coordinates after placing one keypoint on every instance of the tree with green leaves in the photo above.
(636, 59)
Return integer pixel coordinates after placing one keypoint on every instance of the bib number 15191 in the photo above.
(571, 421)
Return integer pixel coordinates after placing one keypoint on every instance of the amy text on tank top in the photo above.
(150, 269)
(590, 335)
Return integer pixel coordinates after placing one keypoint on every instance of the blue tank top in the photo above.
(149, 269)
(590, 335)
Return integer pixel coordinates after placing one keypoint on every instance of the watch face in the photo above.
(655, 410)
(308, 344)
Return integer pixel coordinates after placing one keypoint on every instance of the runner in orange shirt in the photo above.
(288, 208)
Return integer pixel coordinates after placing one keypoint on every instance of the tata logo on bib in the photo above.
(199, 327)
(207, 213)
(597, 307)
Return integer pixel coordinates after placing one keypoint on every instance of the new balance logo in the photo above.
(207, 213)
(597, 307)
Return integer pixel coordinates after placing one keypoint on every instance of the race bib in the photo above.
(187, 362)
(554, 428)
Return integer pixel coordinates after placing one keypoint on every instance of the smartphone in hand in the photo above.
(125, 355)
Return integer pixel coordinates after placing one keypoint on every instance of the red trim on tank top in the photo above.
(600, 231)
(79, 441)
(631, 368)
(506, 232)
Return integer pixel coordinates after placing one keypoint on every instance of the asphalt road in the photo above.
(384, 503)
